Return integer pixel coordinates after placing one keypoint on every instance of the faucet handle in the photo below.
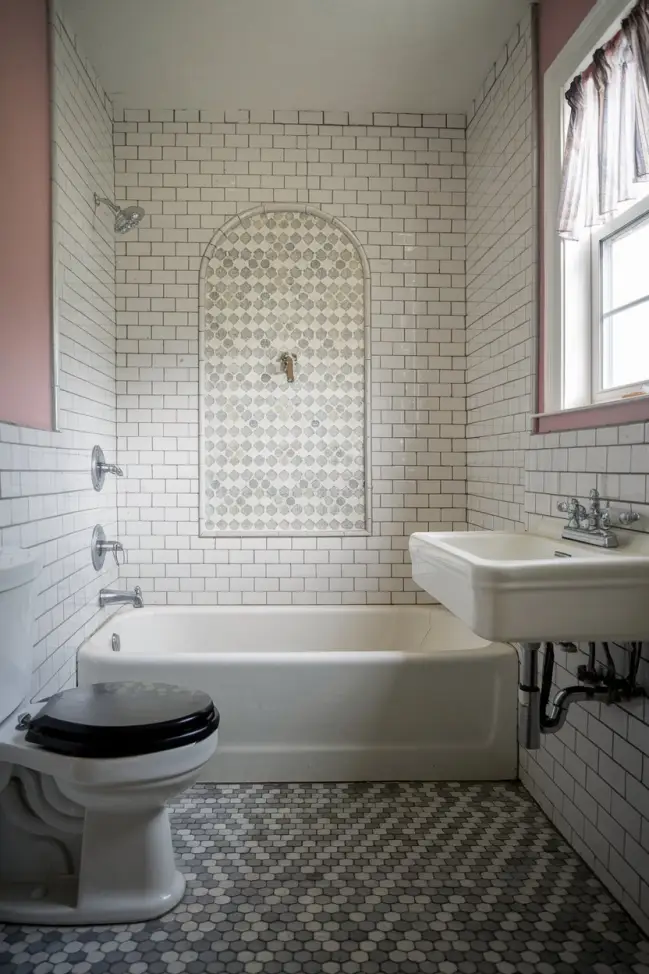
(573, 508)
(99, 468)
(628, 517)
(570, 507)
(118, 548)
(111, 468)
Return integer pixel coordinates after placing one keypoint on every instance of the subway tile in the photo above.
(48, 502)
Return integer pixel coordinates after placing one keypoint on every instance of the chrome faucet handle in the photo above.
(99, 548)
(111, 468)
(118, 548)
(628, 517)
(576, 511)
(99, 468)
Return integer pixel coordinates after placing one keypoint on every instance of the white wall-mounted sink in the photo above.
(530, 587)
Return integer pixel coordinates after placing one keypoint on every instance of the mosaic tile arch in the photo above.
(284, 372)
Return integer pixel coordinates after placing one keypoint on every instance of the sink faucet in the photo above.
(109, 596)
(592, 526)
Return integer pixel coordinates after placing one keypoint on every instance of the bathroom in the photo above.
(377, 796)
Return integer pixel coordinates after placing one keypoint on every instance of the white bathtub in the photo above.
(331, 693)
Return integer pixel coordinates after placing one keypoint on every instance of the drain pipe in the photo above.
(533, 720)
(529, 697)
(555, 720)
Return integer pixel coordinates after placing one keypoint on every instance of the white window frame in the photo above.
(599, 237)
(569, 376)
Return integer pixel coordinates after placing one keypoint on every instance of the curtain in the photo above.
(607, 143)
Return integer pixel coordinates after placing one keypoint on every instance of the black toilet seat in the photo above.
(116, 720)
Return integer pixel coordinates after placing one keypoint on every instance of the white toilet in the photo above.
(84, 833)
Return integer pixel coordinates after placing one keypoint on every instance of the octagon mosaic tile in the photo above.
(281, 456)
(359, 879)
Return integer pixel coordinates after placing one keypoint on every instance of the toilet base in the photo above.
(88, 841)
(55, 904)
(122, 872)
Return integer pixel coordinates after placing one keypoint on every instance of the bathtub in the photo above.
(328, 693)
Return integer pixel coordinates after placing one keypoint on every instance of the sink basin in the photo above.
(530, 587)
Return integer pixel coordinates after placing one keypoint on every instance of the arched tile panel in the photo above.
(280, 457)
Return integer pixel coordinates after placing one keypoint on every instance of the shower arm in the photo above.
(102, 199)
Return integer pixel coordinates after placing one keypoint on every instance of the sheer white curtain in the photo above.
(607, 144)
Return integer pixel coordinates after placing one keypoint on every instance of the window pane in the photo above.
(625, 347)
(629, 256)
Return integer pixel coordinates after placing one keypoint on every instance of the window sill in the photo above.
(618, 413)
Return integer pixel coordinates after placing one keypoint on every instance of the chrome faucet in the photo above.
(592, 526)
(116, 547)
(100, 546)
(109, 596)
(99, 468)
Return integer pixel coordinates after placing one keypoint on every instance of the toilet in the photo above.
(85, 836)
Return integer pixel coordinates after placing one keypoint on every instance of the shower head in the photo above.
(125, 219)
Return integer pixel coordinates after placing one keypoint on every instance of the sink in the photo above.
(533, 587)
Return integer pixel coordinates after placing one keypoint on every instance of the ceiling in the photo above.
(346, 55)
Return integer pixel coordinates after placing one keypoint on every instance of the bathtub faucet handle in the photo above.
(117, 548)
(100, 546)
(99, 468)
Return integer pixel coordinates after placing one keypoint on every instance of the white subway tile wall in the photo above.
(398, 182)
(592, 778)
(47, 502)
(500, 289)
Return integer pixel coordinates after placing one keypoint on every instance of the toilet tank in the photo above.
(18, 572)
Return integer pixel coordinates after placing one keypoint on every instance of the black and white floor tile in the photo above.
(369, 878)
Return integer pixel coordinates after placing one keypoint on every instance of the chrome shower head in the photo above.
(125, 219)
(128, 218)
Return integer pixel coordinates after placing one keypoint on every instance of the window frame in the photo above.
(568, 397)
(600, 237)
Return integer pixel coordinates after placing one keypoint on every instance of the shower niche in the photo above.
(284, 376)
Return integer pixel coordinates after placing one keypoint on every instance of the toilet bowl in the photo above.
(85, 836)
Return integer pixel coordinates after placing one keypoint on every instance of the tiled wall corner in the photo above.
(397, 182)
(592, 778)
(500, 289)
(47, 502)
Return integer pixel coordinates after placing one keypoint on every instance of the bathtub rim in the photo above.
(90, 647)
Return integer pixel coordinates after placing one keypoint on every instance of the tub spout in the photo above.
(109, 596)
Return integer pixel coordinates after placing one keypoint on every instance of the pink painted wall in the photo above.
(25, 216)
(558, 21)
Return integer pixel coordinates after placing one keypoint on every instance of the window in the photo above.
(595, 331)
(620, 307)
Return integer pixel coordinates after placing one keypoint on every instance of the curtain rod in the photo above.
(609, 46)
